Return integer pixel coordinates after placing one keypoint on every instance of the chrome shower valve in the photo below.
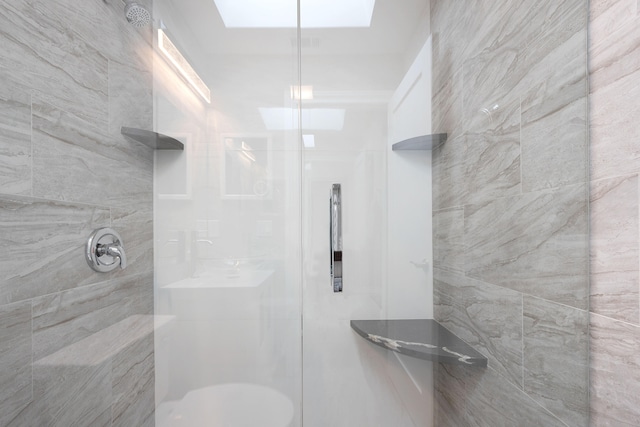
(105, 250)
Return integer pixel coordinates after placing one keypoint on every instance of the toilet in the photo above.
(228, 405)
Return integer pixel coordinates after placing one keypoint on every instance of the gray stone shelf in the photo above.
(420, 338)
(424, 142)
(155, 140)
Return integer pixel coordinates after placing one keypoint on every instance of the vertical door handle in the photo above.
(335, 232)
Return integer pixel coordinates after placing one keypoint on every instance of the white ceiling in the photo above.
(198, 27)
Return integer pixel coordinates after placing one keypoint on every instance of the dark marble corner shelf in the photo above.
(420, 338)
(155, 140)
(424, 142)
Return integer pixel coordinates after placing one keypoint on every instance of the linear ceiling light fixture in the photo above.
(171, 52)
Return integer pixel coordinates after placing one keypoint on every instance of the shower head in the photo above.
(136, 14)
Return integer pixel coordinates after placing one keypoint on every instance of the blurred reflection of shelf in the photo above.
(423, 142)
(155, 140)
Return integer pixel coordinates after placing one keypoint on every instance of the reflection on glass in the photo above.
(246, 168)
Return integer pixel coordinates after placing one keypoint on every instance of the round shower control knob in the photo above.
(105, 250)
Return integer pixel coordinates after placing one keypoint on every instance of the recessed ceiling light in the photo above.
(312, 118)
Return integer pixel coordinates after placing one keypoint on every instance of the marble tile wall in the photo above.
(614, 69)
(70, 77)
(511, 197)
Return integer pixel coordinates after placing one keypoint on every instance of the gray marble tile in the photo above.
(126, 350)
(615, 372)
(108, 342)
(614, 42)
(492, 152)
(487, 317)
(73, 160)
(454, 28)
(130, 98)
(556, 359)
(450, 396)
(42, 246)
(448, 235)
(614, 72)
(615, 250)
(448, 174)
(554, 135)
(71, 395)
(41, 54)
(536, 243)
(64, 318)
(15, 359)
(136, 229)
(103, 26)
(614, 131)
(492, 401)
(15, 141)
(134, 385)
(446, 109)
(525, 54)
(610, 13)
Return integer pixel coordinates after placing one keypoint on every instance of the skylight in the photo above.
(312, 118)
(282, 13)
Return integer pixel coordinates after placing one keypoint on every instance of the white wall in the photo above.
(410, 255)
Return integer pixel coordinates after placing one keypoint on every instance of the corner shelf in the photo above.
(424, 142)
(420, 338)
(155, 140)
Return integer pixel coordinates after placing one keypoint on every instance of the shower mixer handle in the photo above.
(113, 250)
(104, 251)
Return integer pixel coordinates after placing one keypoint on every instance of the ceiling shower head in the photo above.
(136, 14)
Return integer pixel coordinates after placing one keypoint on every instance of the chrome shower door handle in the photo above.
(335, 237)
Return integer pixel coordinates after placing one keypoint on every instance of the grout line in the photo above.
(29, 199)
(615, 320)
(31, 138)
(522, 326)
(520, 146)
(32, 346)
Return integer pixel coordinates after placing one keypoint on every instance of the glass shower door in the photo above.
(227, 223)
(253, 333)
(365, 85)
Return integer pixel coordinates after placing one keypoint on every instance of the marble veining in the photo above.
(430, 340)
(398, 344)
(556, 358)
(68, 75)
(40, 54)
(530, 243)
(15, 351)
(614, 371)
(485, 316)
(614, 66)
(448, 235)
(50, 259)
(64, 142)
(64, 318)
(510, 200)
(615, 249)
(15, 141)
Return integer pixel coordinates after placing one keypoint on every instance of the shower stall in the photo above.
(302, 100)
(313, 96)
(268, 175)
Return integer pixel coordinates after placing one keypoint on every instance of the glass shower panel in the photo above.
(227, 220)
(511, 209)
(354, 64)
